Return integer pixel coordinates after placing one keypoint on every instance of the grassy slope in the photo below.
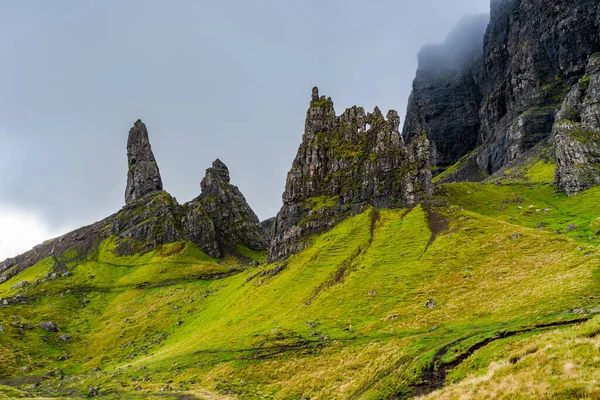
(345, 318)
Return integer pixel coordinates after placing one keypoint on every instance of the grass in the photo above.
(346, 318)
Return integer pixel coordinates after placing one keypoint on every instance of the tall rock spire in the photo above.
(143, 176)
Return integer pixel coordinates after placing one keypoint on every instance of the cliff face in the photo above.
(577, 133)
(533, 53)
(446, 94)
(345, 164)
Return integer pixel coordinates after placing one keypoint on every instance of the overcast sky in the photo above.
(228, 79)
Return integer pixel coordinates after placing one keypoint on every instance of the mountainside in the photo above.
(446, 94)
(376, 279)
(533, 55)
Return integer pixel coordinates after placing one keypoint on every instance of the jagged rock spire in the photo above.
(345, 164)
(234, 220)
(143, 176)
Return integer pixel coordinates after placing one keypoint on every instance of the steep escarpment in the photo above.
(446, 94)
(345, 164)
(217, 220)
(533, 54)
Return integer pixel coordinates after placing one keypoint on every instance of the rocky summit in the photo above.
(233, 219)
(344, 165)
(143, 176)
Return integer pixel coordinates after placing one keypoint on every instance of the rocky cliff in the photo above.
(533, 53)
(446, 94)
(345, 164)
(218, 220)
(577, 133)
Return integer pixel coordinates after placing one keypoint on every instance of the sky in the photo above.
(228, 79)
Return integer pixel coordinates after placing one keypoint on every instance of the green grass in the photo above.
(343, 319)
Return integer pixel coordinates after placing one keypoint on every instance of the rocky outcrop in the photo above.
(577, 133)
(143, 176)
(234, 221)
(344, 165)
(446, 94)
(219, 218)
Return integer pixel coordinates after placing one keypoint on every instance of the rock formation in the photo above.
(233, 219)
(345, 164)
(143, 176)
(446, 94)
(216, 222)
(532, 55)
(577, 133)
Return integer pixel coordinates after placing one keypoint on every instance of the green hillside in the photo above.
(485, 286)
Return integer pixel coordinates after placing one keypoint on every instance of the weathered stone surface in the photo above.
(48, 326)
(532, 55)
(343, 165)
(147, 222)
(267, 225)
(143, 176)
(234, 220)
(200, 229)
(577, 133)
(446, 94)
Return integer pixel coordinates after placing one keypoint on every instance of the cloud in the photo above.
(20, 231)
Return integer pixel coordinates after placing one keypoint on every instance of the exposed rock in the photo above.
(344, 165)
(20, 285)
(143, 176)
(65, 338)
(48, 326)
(234, 220)
(93, 391)
(199, 228)
(147, 222)
(267, 225)
(532, 56)
(577, 133)
(446, 94)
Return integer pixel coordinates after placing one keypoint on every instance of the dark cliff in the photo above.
(446, 94)
(577, 133)
(345, 164)
(533, 54)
